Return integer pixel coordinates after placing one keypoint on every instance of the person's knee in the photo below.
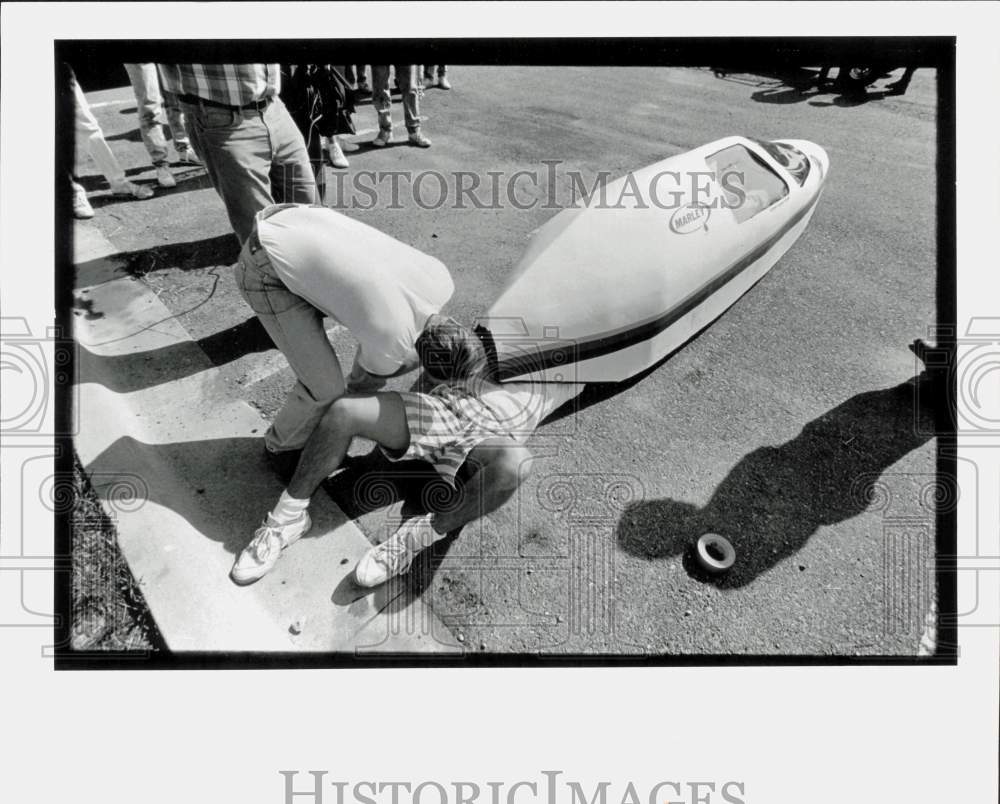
(339, 417)
(511, 465)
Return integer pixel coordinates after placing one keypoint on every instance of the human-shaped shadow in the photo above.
(776, 498)
(188, 178)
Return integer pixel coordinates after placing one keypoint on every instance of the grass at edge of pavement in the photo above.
(107, 609)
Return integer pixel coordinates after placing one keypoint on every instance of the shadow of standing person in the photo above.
(776, 498)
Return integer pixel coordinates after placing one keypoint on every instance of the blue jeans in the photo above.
(254, 159)
(296, 327)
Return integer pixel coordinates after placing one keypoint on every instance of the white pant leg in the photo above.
(146, 88)
(89, 133)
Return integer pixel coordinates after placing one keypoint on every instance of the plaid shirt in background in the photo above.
(231, 84)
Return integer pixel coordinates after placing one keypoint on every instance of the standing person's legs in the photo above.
(89, 133)
(362, 76)
(292, 176)
(296, 327)
(178, 129)
(146, 88)
(239, 153)
(442, 77)
(236, 152)
(314, 149)
(408, 88)
(382, 101)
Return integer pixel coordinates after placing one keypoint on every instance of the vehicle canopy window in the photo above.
(791, 159)
(748, 185)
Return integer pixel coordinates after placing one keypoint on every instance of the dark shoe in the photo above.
(283, 464)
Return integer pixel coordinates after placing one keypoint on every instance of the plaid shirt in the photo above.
(231, 84)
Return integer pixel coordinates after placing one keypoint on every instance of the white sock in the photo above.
(288, 508)
(419, 533)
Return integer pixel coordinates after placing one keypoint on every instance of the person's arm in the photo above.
(363, 381)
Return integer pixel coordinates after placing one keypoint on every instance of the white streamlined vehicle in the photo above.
(611, 286)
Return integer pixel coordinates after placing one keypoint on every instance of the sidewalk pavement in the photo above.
(178, 465)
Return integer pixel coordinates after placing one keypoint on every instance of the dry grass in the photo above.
(107, 612)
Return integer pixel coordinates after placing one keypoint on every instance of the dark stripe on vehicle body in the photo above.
(513, 367)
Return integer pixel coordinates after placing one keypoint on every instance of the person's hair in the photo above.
(448, 351)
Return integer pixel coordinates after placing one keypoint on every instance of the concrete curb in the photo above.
(178, 466)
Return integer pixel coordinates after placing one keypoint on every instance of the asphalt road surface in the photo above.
(791, 425)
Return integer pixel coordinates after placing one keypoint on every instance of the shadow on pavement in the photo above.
(750, 75)
(800, 84)
(776, 498)
(133, 135)
(136, 371)
(189, 256)
(193, 179)
(596, 392)
(221, 486)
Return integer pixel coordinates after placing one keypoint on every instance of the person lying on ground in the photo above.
(467, 422)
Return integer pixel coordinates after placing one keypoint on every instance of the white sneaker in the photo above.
(259, 557)
(81, 206)
(164, 177)
(417, 138)
(337, 158)
(139, 191)
(384, 138)
(394, 556)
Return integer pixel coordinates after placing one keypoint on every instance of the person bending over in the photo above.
(466, 418)
(303, 262)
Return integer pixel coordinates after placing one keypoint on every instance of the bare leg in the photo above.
(502, 466)
(499, 467)
(380, 417)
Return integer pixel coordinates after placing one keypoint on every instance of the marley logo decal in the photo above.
(690, 218)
